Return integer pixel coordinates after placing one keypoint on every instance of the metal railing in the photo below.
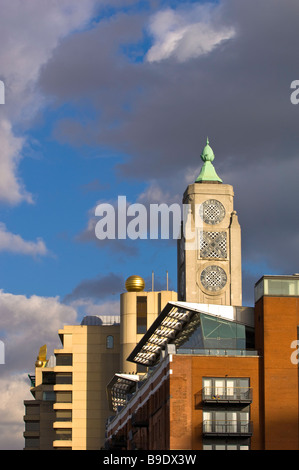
(218, 352)
(227, 394)
(236, 427)
(32, 380)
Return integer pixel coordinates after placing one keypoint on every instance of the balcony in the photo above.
(235, 395)
(219, 428)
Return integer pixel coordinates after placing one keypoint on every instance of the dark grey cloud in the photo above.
(238, 94)
(100, 288)
(159, 114)
(119, 247)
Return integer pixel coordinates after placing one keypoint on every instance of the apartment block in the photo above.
(221, 378)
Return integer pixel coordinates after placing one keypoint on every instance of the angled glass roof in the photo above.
(119, 387)
(193, 326)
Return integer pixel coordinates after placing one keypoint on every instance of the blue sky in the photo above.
(116, 98)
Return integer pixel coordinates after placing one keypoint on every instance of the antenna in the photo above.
(152, 280)
(166, 280)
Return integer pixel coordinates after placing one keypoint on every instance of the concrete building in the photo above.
(224, 378)
(70, 408)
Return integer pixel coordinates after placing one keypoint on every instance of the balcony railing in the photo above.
(228, 428)
(227, 394)
(32, 380)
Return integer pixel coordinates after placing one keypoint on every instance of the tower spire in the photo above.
(208, 173)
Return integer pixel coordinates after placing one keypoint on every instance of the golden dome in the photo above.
(38, 363)
(135, 284)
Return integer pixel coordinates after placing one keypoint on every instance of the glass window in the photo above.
(109, 342)
(193, 340)
(227, 444)
(141, 314)
(224, 421)
(226, 388)
(49, 396)
(31, 442)
(63, 415)
(63, 434)
(207, 447)
(222, 334)
(64, 378)
(64, 360)
(278, 286)
(32, 409)
(32, 426)
(48, 378)
(64, 397)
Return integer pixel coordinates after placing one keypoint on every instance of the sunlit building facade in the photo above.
(69, 408)
(221, 376)
(195, 370)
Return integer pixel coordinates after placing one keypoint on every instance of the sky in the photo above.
(109, 98)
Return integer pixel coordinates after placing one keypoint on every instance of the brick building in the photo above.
(225, 378)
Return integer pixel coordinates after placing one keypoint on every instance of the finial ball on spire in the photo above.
(208, 173)
(207, 153)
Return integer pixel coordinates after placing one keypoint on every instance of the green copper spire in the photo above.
(208, 173)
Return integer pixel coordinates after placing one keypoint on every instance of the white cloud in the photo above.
(29, 33)
(13, 243)
(11, 189)
(14, 390)
(185, 34)
(89, 307)
(156, 193)
(26, 324)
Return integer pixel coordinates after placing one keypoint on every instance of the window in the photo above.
(48, 378)
(225, 446)
(49, 396)
(32, 410)
(229, 388)
(64, 360)
(64, 378)
(109, 342)
(63, 435)
(226, 422)
(63, 415)
(31, 442)
(141, 314)
(64, 397)
(32, 426)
